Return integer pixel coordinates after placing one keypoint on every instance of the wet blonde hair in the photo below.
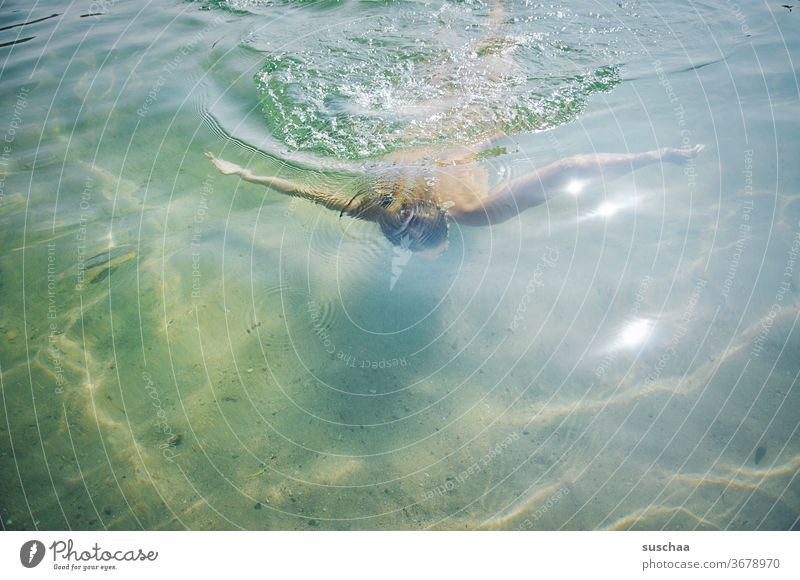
(407, 220)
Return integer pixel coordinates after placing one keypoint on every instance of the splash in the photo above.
(415, 79)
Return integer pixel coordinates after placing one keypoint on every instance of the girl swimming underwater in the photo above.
(413, 206)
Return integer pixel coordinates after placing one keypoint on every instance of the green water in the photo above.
(184, 350)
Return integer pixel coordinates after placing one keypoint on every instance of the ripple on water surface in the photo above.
(282, 316)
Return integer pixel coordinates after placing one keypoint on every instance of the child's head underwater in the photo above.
(417, 225)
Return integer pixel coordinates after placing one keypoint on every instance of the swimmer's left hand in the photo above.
(225, 167)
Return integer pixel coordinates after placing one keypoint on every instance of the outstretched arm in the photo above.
(573, 173)
(289, 187)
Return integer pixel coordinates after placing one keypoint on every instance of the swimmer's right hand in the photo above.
(672, 155)
(225, 167)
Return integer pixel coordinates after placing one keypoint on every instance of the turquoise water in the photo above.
(183, 350)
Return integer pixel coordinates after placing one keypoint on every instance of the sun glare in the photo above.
(635, 334)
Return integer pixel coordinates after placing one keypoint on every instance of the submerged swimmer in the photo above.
(413, 207)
